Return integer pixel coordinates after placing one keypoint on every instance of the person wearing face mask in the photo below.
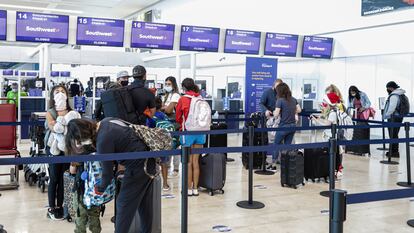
(358, 100)
(268, 99)
(58, 106)
(12, 95)
(169, 102)
(122, 78)
(395, 107)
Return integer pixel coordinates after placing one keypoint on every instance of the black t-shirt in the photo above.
(117, 138)
(75, 89)
(142, 97)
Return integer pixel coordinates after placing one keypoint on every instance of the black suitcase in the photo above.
(316, 163)
(213, 173)
(118, 103)
(257, 156)
(360, 134)
(217, 140)
(292, 168)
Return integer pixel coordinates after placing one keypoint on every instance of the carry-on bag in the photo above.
(360, 134)
(316, 163)
(69, 192)
(213, 172)
(292, 168)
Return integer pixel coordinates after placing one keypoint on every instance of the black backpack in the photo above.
(403, 107)
(118, 103)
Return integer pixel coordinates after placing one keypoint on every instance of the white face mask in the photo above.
(168, 89)
(60, 101)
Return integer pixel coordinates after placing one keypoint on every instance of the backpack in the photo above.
(168, 126)
(94, 177)
(345, 119)
(403, 107)
(118, 103)
(199, 115)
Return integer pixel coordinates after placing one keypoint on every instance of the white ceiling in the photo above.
(96, 8)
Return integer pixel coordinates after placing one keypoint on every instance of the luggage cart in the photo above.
(8, 143)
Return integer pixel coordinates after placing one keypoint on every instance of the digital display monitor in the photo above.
(195, 38)
(8, 72)
(44, 28)
(3, 25)
(277, 44)
(65, 74)
(317, 47)
(152, 35)
(100, 32)
(54, 74)
(244, 42)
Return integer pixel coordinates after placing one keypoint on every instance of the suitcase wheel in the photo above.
(221, 191)
(211, 193)
(69, 218)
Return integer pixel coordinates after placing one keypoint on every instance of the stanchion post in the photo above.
(185, 153)
(337, 211)
(263, 171)
(408, 153)
(332, 148)
(383, 131)
(250, 204)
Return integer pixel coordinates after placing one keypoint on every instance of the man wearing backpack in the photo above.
(396, 107)
(143, 99)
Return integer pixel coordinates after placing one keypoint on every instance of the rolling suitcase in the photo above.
(217, 140)
(213, 173)
(156, 220)
(360, 134)
(316, 163)
(292, 168)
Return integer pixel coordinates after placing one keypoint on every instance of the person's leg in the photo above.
(391, 136)
(396, 131)
(190, 173)
(196, 166)
(81, 219)
(164, 170)
(146, 208)
(134, 186)
(94, 221)
(53, 182)
(176, 163)
(280, 136)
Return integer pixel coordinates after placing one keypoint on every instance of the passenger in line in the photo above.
(194, 141)
(170, 101)
(394, 110)
(113, 136)
(268, 99)
(359, 101)
(58, 106)
(286, 107)
(122, 78)
(13, 97)
(143, 98)
(334, 89)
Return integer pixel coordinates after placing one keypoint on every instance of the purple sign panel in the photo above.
(152, 35)
(281, 44)
(245, 42)
(45, 28)
(3, 24)
(65, 74)
(101, 32)
(8, 72)
(317, 47)
(199, 38)
(54, 74)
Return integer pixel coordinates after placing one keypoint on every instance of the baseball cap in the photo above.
(122, 74)
(139, 71)
(392, 84)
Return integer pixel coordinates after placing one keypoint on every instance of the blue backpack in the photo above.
(94, 178)
(167, 125)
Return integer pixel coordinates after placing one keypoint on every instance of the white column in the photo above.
(193, 65)
(178, 69)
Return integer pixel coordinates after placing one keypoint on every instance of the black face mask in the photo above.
(389, 91)
(124, 83)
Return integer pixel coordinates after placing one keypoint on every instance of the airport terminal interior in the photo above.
(289, 116)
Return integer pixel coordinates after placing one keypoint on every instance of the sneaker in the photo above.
(272, 167)
(166, 188)
(339, 175)
(59, 213)
(190, 192)
(52, 213)
(173, 174)
(195, 192)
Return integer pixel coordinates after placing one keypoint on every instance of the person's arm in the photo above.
(298, 109)
(392, 106)
(276, 113)
(263, 103)
(50, 121)
(366, 102)
(105, 144)
(179, 112)
(98, 110)
(318, 121)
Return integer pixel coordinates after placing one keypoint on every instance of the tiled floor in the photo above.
(287, 210)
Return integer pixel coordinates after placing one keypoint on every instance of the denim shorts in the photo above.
(189, 140)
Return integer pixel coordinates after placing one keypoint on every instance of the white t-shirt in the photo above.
(172, 98)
